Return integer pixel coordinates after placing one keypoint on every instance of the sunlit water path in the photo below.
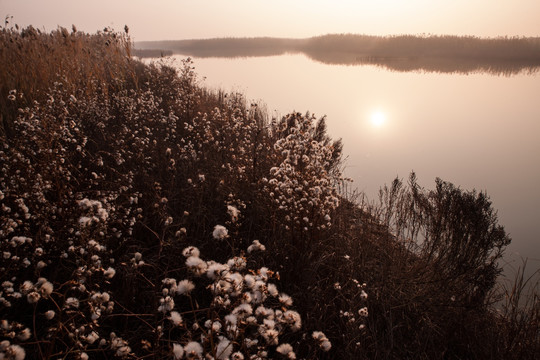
(477, 131)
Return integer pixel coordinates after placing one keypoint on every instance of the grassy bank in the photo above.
(143, 216)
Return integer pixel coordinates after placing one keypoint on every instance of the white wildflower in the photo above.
(176, 318)
(33, 297)
(324, 343)
(71, 302)
(363, 312)
(243, 310)
(264, 312)
(101, 297)
(237, 263)
(263, 273)
(233, 212)
(185, 287)
(271, 336)
(167, 304)
(193, 350)
(178, 351)
(24, 335)
(216, 326)
(285, 299)
(250, 342)
(269, 324)
(191, 251)
(14, 352)
(120, 345)
(224, 348)
(49, 314)
(220, 232)
(249, 280)
(216, 270)
(272, 289)
(196, 265)
(237, 356)
(286, 349)
(256, 246)
(92, 337)
(231, 319)
(46, 288)
(109, 273)
(182, 231)
(85, 221)
(293, 319)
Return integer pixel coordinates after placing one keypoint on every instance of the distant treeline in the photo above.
(227, 47)
(400, 53)
(151, 53)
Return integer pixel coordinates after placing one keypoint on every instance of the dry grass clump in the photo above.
(431, 260)
(118, 180)
(32, 61)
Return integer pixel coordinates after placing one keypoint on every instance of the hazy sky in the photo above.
(182, 19)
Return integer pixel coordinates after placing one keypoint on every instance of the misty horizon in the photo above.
(446, 54)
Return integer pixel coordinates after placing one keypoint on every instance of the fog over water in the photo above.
(477, 131)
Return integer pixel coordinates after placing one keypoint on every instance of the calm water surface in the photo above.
(477, 131)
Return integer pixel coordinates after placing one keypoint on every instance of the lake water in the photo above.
(477, 131)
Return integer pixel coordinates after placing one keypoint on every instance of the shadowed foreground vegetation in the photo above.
(444, 54)
(143, 216)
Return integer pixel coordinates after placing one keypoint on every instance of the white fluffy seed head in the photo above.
(220, 232)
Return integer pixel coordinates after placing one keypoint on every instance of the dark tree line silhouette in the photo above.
(448, 54)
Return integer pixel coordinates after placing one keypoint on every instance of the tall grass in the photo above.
(32, 61)
(143, 216)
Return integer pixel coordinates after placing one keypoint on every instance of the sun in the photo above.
(377, 119)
